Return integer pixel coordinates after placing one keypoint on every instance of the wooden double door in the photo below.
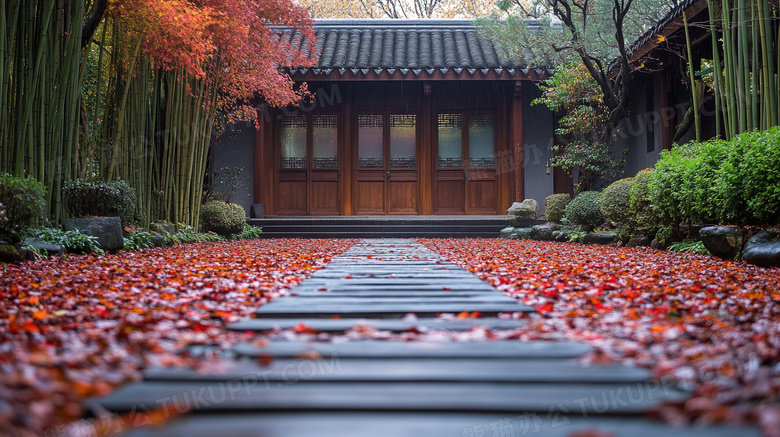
(385, 161)
(387, 164)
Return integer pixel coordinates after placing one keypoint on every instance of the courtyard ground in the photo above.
(82, 326)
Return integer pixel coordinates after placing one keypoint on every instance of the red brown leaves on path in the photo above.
(712, 325)
(79, 326)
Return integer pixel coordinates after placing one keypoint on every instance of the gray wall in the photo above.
(236, 147)
(538, 133)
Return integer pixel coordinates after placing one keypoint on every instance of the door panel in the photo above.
(308, 165)
(482, 196)
(386, 180)
(371, 197)
(292, 197)
(450, 196)
(465, 186)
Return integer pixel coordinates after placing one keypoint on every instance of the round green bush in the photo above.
(644, 218)
(222, 218)
(555, 206)
(24, 200)
(97, 198)
(584, 210)
(615, 202)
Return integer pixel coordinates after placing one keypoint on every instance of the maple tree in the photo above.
(79, 326)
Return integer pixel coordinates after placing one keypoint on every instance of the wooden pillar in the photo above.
(260, 156)
(427, 123)
(347, 172)
(518, 143)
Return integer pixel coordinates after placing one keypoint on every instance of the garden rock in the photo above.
(561, 236)
(108, 230)
(762, 250)
(522, 234)
(8, 253)
(723, 241)
(526, 209)
(599, 238)
(165, 229)
(158, 240)
(506, 232)
(44, 247)
(640, 241)
(543, 232)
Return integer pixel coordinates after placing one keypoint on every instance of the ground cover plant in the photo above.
(80, 325)
(712, 325)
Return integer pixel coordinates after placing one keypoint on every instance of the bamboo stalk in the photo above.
(717, 70)
(692, 78)
(768, 63)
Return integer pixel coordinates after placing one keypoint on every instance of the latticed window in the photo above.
(293, 135)
(477, 140)
(403, 141)
(302, 135)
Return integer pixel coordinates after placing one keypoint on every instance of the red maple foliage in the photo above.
(229, 43)
(712, 325)
(79, 326)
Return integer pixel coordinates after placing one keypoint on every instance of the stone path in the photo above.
(392, 388)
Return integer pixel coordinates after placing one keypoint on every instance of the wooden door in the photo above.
(387, 170)
(466, 179)
(308, 182)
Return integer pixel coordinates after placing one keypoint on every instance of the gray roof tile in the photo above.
(405, 44)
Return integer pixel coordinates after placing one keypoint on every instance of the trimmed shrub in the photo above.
(222, 218)
(748, 181)
(96, 198)
(615, 202)
(644, 218)
(584, 210)
(24, 200)
(555, 206)
(729, 182)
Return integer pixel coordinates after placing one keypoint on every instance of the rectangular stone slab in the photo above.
(393, 300)
(341, 325)
(253, 393)
(410, 370)
(418, 349)
(346, 424)
(390, 293)
(385, 310)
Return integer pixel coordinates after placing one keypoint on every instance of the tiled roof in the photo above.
(407, 46)
(667, 25)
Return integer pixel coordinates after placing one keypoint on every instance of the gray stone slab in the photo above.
(341, 325)
(342, 424)
(334, 369)
(253, 393)
(418, 349)
(277, 309)
(392, 300)
(392, 293)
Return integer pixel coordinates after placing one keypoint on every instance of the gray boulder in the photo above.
(543, 232)
(165, 229)
(158, 240)
(561, 236)
(600, 238)
(108, 230)
(521, 234)
(762, 250)
(527, 209)
(8, 253)
(44, 247)
(642, 240)
(506, 232)
(723, 241)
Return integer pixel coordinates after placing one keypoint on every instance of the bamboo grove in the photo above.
(745, 66)
(138, 98)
